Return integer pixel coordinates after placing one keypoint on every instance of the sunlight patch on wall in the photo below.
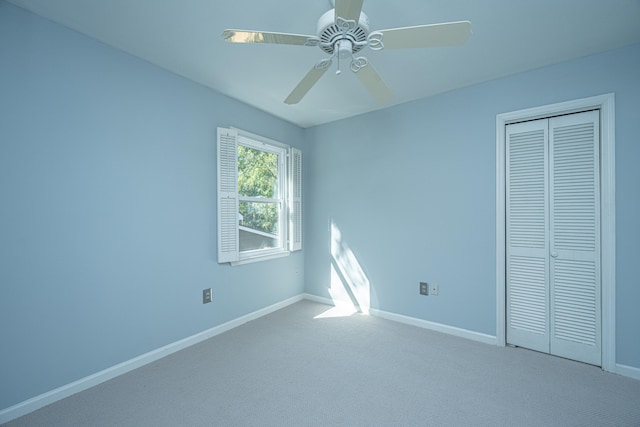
(350, 287)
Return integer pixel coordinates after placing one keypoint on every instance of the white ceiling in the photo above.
(184, 36)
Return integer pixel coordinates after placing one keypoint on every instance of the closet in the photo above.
(553, 284)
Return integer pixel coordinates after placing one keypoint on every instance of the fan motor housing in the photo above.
(329, 32)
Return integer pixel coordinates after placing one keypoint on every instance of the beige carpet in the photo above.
(293, 369)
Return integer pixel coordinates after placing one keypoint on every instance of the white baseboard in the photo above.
(438, 327)
(82, 384)
(319, 300)
(628, 371)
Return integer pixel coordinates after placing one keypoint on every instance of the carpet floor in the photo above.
(296, 367)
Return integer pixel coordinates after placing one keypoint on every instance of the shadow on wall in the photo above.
(350, 288)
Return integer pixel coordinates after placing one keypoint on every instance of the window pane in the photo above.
(258, 225)
(257, 173)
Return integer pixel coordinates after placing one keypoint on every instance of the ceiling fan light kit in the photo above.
(343, 32)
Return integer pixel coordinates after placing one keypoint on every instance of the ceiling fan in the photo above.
(343, 32)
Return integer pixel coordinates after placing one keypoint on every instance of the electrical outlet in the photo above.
(433, 289)
(424, 288)
(206, 296)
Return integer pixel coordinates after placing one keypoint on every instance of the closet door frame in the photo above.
(606, 105)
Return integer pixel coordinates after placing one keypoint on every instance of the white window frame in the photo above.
(289, 196)
(280, 198)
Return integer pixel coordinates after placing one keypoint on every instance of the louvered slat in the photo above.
(228, 163)
(295, 158)
(575, 241)
(228, 240)
(574, 302)
(553, 288)
(526, 201)
(227, 195)
(527, 296)
(574, 187)
(527, 239)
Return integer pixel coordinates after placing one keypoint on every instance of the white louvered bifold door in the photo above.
(553, 236)
(527, 235)
(575, 237)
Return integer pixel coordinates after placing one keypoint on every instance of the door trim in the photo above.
(606, 105)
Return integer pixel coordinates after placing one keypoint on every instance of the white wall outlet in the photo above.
(433, 289)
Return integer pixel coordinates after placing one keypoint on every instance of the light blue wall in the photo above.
(108, 210)
(412, 190)
(107, 203)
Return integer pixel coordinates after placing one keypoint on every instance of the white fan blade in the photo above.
(436, 35)
(376, 87)
(349, 9)
(241, 36)
(307, 82)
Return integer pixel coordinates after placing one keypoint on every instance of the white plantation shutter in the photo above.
(575, 237)
(527, 236)
(295, 199)
(228, 250)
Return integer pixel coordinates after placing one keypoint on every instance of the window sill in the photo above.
(259, 258)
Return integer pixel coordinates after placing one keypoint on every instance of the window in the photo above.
(259, 197)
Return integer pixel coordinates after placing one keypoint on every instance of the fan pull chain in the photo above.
(338, 71)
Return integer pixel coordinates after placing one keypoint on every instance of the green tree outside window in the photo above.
(258, 178)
